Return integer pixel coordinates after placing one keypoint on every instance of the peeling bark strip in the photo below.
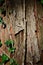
(37, 25)
(25, 46)
(19, 47)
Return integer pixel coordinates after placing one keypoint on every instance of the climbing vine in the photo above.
(4, 57)
(8, 43)
(11, 48)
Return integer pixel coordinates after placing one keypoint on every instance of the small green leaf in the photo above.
(0, 44)
(42, 1)
(11, 50)
(4, 58)
(9, 43)
(1, 20)
(13, 62)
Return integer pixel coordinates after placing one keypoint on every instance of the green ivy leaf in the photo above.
(42, 1)
(1, 20)
(11, 50)
(0, 44)
(13, 62)
(9, 42)
(4, 58)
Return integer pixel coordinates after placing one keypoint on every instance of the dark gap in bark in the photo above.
(25, 46)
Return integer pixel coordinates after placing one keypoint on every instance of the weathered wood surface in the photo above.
(16, 31)
(32, 44)
(15, 25)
